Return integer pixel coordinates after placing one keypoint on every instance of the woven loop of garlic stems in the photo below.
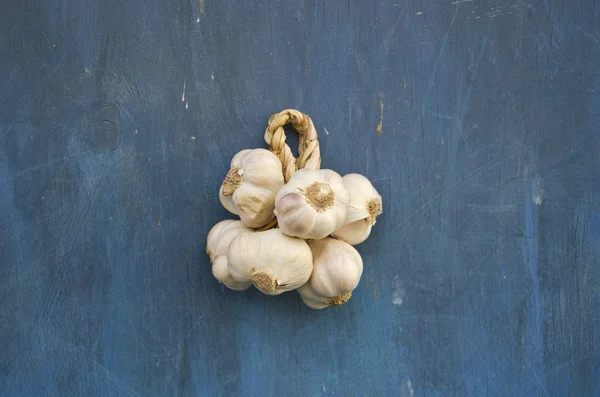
(309, 153)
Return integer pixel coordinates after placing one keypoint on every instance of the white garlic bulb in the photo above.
(365, 206)
(337, 269)
(217, 243)
(250, 186)
(273, 262)
(313, 204)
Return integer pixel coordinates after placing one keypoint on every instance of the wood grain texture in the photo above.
(477, 121)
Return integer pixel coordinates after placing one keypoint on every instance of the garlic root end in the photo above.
(374, 209)
(232, 181)
(264, 282)
(337, 300)
(320, 196)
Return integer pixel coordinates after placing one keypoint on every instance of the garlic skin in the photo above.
(313, 204)
(337, 269)
(217, 243)
(250, 186)
(273, 262)
(365, 206)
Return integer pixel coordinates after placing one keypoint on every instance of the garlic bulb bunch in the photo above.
(313, 204)
(217, 243)
(365, 206)
(337, 268)
(250, 186)
(298, 223)
(273, 262)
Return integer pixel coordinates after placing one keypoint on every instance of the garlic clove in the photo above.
(365, 206)
(273, 262)
(354, 214)
(337, 269)
(364, 198)
(249, 189)
(220, 271)
(227, 202)
(313, 204)
(292, 208)
(356, 232)
(217, 244)
(220, 236)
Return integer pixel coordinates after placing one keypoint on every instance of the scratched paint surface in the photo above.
(478, 122)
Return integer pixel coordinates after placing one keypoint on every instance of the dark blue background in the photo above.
(481, 277)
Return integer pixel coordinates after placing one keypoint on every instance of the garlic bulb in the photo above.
(313, 204)
(217, 243)
(273, 262)
(337, 268)
(365, 206)
(250, 186)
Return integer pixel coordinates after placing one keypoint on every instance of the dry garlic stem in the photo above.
(365, 206)
(273, 262)
(250, 186)
(217, 244)
(337, 268)
(313, 204)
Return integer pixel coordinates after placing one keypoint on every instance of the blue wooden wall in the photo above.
(117, 123)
